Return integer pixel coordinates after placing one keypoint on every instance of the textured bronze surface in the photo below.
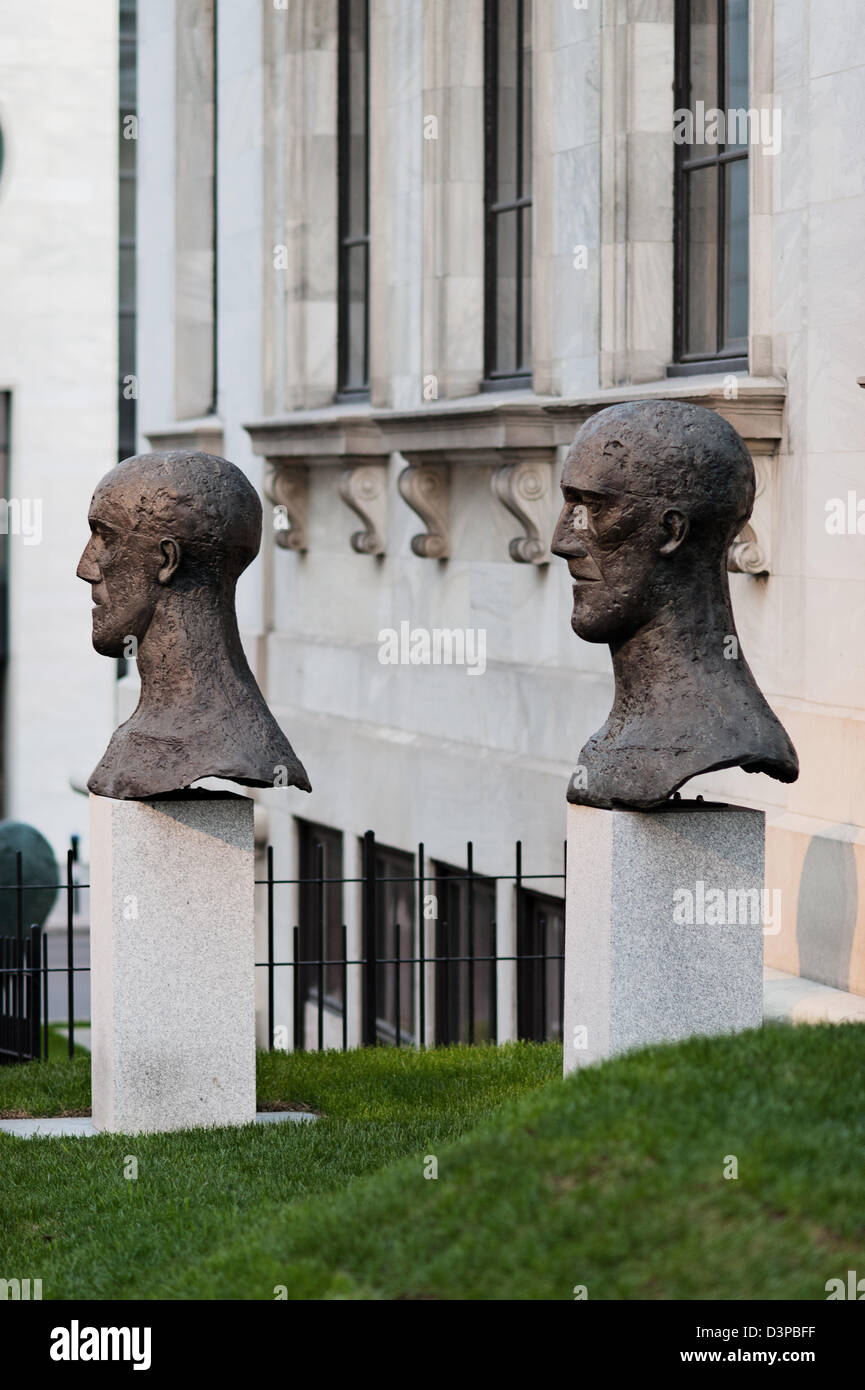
(654, 492)
(169, 535)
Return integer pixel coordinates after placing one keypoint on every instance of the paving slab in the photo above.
(81, 1126)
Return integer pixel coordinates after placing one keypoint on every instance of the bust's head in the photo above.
(654, 492)
(162, 525)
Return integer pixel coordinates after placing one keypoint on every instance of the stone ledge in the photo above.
(467, 428)
(204, 434)
(518, 434)
(81, 1126)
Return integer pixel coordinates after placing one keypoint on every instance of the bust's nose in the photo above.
(566, 543)
(88, 570)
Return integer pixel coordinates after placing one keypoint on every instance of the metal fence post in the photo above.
(319, 938)
(421, 932)
(270, 948)
(34, 991)
(19, 963)
(370, 1009)
(70, 970)
(470, 863)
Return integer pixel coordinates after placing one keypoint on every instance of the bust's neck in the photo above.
(190, 659)
(685, 703)
(685, 658)
(200, 713)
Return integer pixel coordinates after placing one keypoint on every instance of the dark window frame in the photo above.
(519, 377)
(394, 867)
(452, 976)
(311, 905)
(347, 240)
(533, 1012)
(734, 356)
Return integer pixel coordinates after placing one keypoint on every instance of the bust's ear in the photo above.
(171, 555)
(675, 526)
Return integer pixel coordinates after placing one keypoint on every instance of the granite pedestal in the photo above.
(172, 962)
(663, 926)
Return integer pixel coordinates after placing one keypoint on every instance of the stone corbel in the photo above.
(524, 485)
(751, 551)
(363, 488)
(286, 486)
(426, 489)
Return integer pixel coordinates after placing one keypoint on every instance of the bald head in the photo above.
(201, 500)
(691, 458)
(166, 528)
(654, 493)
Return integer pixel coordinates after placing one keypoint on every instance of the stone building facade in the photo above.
(391, 255)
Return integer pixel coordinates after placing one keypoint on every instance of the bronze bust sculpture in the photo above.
(170, 534)
(654, 493)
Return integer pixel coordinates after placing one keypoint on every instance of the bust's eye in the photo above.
(593, 506)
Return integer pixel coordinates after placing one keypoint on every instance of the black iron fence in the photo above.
(425, 969)
(25, 972)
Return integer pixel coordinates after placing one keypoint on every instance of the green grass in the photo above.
(68, 1214)
(613, 1180)
(58, 1042)
(55, 1087)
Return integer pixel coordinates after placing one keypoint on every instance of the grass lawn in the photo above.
(613, 1180)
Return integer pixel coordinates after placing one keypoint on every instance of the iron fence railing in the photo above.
(461, 967)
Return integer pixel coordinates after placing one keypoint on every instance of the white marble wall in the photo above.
(299, 190)
(804, 629)
(451, 244)
(193, 208)
(58, 357)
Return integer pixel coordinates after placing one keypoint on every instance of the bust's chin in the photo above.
(107, 646)
(107, 643)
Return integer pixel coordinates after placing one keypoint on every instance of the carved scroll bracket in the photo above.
(525, 486)
(286, 486)
(363, 487)
(426, 489)
(751, 551)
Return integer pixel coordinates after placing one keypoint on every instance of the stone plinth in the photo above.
(637, 970)
(172, 962)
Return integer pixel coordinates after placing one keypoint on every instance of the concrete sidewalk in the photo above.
(788, 997)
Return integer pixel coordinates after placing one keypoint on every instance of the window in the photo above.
(393, 1000)
(508, 198)
(711, 189)
(126, 231)
(196, 121)
(320, 922)
(465, 993)
(353, 213)
(540, 982)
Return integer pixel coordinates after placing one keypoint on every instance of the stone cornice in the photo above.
(518, 435)
(204, 434)
(476, 428)
(329, 435)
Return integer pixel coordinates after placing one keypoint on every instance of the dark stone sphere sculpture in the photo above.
(38, 866)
